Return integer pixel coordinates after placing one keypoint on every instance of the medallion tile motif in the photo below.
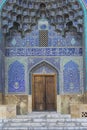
(16, 75)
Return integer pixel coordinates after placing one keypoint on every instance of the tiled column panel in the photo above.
(0, 72)
(1, 59)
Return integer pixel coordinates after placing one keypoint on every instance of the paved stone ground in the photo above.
(43, 121)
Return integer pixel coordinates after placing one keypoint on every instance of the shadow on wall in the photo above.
(21, 107)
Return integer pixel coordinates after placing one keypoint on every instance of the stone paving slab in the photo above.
(45, 121)
(46, 128)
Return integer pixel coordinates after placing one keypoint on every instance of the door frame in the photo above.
(55, 85)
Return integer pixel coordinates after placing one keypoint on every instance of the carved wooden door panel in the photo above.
(44, 93)
(50, 93)
(39, 91)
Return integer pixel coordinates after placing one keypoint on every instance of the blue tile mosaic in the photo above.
(1, 36)
(43, 67)
(9, 52)
(2, 79)
(31, 39)
(31, 4)
(52, 61)
(16, 77)
(43, 70)
(71, 74)
(0, 72)
(36, 64)
(54, 39)
(58, 45)
(85, 1)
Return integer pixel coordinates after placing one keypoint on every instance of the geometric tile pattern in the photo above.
(54, 39)
(84, 114)
(43, 34)
(9, 52)
(1, 36)
(60, 14)
(30, 40)
(57, 45)
(0, 71)
(57, 40)
(16, 77)
(43, 68)
(36, 61)
(71, 76)
(3, 1)
(85, 2)
(65, 26)
(2, 80)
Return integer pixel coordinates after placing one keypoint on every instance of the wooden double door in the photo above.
(44, 92)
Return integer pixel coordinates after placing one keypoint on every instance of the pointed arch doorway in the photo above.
(44, 89)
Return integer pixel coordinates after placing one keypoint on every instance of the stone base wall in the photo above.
(21, 102)
(78, 110)
(7, 111)
(66, 100)
(24, 102)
